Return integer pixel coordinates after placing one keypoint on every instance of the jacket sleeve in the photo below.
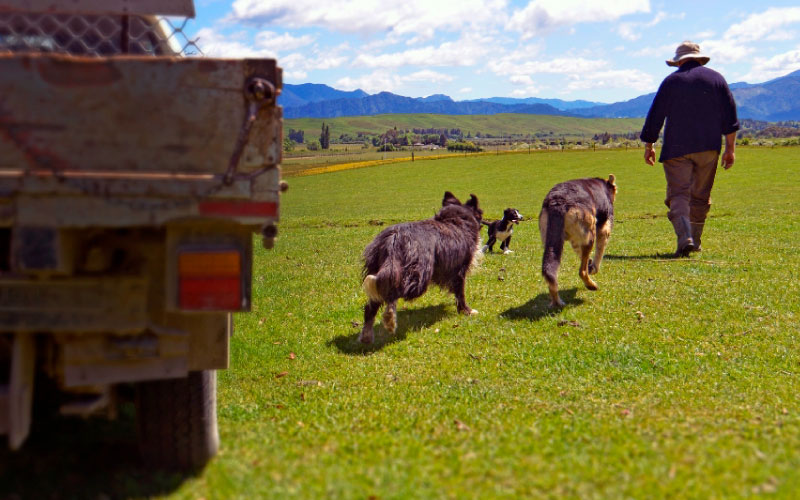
(655, 117)
(730, 120)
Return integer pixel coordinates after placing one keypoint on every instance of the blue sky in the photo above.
(567, 49)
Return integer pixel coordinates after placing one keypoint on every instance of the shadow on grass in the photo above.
(408, 320)
(654, 256)
(76, 458)
(539, 306)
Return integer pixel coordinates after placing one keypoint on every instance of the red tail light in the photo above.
(210, 280)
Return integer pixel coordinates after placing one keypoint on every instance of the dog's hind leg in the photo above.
(390, 317)
(370, 310)
(457, 286)
(583, 271)
(603, 232)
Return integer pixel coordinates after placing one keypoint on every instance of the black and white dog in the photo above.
(405, 258)
(502, 229)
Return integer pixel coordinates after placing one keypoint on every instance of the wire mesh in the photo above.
(94, 35)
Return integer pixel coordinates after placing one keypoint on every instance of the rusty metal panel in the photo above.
(92, 212)
(182, 8)
(81, 304)
(135, 114)
(107, 359)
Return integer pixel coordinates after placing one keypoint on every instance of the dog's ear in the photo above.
(450, 199)
(472, 202)
(611, 180)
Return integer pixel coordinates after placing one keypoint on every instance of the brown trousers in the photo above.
(689, 182)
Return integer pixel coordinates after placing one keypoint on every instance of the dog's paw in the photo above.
(508, 252)
(557, 304)
(365, 337)
(472, 312)
(592, 267)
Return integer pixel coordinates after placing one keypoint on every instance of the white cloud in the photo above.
(276, 43)
(529, 91)
(540, 17)
(465, 90)
(421, 17)
(633, 31)
(468, 51)
(215, 44)
(383, 80)
(738, 42)
(612, 79)
(764, 69)
(764, 26)
(518, 64)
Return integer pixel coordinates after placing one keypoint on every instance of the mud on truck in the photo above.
(132, 181)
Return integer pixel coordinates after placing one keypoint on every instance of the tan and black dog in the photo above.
(582, 212)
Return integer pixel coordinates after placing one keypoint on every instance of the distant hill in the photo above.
(634, 108)
(388, 103)
(556, 103)
(298, 95)
(775, 100)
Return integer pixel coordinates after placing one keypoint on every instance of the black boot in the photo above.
(697, 232)
(683, 229)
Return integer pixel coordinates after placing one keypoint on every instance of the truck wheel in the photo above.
(176, 421)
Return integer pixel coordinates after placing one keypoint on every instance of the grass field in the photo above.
(499, 125)
(677, 379)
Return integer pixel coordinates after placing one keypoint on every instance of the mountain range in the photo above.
(774, 100)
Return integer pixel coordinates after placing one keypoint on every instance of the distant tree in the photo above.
(288, 145)
(313, 145)
(325, 137)
(442, 140)
(297, 136)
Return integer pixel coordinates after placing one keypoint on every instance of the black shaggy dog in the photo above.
(580, 211)
(405, 258)
(502, 230)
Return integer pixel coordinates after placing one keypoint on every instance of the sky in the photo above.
(605, 51)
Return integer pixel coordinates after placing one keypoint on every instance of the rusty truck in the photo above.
(133, 180)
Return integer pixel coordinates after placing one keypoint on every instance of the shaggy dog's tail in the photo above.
(370, 287)
(384, 266)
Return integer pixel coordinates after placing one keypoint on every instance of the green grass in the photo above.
(496, 125)
(677, 379)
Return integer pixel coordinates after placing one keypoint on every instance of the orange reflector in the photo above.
(217, 263)
(210, 280)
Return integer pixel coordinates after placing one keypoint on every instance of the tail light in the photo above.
(210, 280)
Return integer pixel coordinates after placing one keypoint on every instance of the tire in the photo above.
(176, 420)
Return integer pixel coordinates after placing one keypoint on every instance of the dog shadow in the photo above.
(655, 256)
(408, 320)
(539, 306)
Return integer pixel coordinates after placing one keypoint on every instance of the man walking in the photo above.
(699, 109)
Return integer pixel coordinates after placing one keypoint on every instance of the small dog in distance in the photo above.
(405, 258)
(502, 229)
(581, 211)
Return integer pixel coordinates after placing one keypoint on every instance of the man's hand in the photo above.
(730, 145)
(649, 154)
(728, 157)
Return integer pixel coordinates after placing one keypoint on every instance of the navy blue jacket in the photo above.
(699, 109)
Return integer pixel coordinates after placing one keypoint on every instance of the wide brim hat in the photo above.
(687, 50)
